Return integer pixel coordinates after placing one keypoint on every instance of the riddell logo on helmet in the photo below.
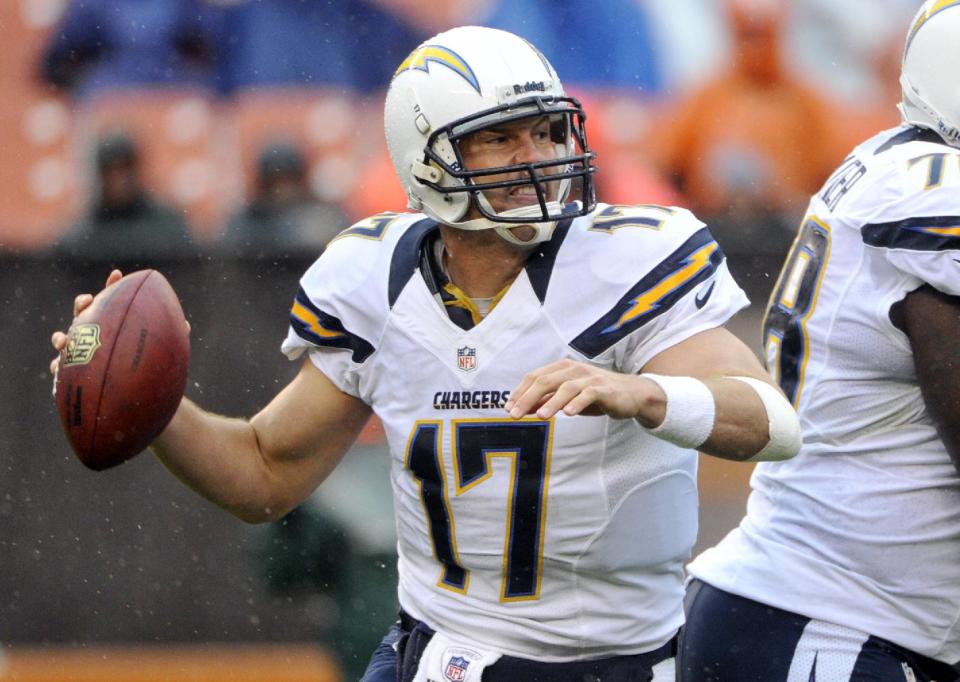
(530, 86)
(948, 131)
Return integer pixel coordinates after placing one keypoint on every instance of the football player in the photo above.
(847, 564)
(545, 368)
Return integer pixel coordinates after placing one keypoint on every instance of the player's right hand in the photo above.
(59, 338)
(580, 388)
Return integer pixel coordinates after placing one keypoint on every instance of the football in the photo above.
(124, 369)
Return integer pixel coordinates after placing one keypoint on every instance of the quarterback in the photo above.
(545, 368)
(846, 564)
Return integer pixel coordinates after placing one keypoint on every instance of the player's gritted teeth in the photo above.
(520, 196)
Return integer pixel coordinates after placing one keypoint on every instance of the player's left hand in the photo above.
(59, 338)
(579, 388)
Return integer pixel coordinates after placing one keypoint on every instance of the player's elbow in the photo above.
(258, 513)
(261, 504)
(784, 444)
(784, 435)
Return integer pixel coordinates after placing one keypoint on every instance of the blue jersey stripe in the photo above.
(406, 257)
(540, 264)
(933, 233)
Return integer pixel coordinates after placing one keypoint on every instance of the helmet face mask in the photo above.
(455, 88)
(551, 179)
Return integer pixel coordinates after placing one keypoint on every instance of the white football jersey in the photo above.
(548, 539)
(862, 528)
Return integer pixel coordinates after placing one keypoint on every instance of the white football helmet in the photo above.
(928, 76)
(467, 79)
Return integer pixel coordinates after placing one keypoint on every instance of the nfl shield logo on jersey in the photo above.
(466, 359)
(456, 670)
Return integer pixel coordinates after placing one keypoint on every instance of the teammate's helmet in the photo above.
(467, 79)
(928, 77)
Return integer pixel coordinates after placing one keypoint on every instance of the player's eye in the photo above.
(489, 138)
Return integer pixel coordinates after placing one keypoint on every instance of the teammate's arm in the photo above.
(258, 469)
(931, 320)
(742, 425)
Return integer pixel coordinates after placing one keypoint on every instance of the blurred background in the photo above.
(224, 142)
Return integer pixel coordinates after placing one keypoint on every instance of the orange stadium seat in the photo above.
(180, 143)
(336, 130)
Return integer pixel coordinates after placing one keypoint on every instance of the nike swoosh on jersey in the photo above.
(702, 297)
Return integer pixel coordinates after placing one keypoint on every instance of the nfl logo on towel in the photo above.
(456, 670)
(466, 359)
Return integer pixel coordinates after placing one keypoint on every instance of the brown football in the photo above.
(124, 369)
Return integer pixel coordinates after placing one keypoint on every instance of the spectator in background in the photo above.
(111, 44)
(749, 145)
(124, 220)
(284, 217)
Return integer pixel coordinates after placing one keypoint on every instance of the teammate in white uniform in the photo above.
(856, 542)
(544, 367)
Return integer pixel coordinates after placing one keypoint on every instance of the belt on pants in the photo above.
(630, 668)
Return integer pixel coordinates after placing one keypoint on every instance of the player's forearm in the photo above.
(219, 458)
(723, 417)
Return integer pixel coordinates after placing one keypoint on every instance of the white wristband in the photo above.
(690, 412)
(784, 424)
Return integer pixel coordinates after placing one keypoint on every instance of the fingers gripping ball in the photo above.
(124, 369)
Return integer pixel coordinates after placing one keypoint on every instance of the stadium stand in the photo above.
(179, 143)
(37, 189)
(338, 131)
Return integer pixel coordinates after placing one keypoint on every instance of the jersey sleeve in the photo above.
(708, 304)
(340, 308)
(669, 282)
(335, 350)
(920, 236)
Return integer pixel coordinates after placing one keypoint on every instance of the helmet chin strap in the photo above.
(543, 230)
